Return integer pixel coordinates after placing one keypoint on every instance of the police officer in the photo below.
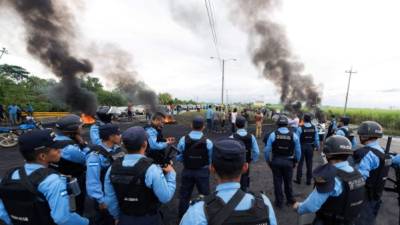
(102, 117)
(73, 153)
(157, 144)
(252, 150)
(286, 152)
(339, 188)
(98, 161)
(195, 152)
(134, 187)
(374, 166)
(344, 130)
(309, 140)
(229, 204)
(35, 194)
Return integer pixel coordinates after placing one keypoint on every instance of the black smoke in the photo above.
(115, 65)
(49, 31)
(270, 51)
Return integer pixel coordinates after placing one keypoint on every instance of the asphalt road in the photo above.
(261, 180)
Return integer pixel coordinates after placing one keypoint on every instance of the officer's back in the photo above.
(228, 163)
(34, 194)
(102, 117)
(339, 191)
(134, 187)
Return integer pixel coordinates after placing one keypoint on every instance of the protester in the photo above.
(233, 120)
(209, 118)
(259, 117)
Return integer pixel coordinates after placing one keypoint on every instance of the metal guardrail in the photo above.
(39, 115)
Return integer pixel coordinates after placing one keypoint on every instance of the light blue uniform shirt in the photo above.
(315, 200)
(54, 189)
(341, 133)
(152, 140)
(255, 151)
(209, 114)
(370, 161)
(163, 185)
(195, 135)
(95, 134)
(72, 152)
(271, 139)
(95, 163)
(316, 137)
(195, 214)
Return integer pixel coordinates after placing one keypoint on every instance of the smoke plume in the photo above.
(49, 31)
(116, 67)
(270, 51)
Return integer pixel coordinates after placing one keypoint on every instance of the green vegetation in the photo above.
(389, 119)
(19, 86)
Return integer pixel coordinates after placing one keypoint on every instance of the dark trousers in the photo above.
(209, 124)
(369, 212)
(282, 171)
(307, 152)
(190, 178)
(93, 212)
(155, 219)
(233, 127)
(245, 180)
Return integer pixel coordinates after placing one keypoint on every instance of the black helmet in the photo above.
(282, 121)
(370, 129)
(69, 123)
(307, 117)
(337, 145)
(103, 115)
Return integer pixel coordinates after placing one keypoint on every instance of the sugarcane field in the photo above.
(196, 112)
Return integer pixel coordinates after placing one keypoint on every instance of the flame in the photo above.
(87, 119)
(169, 119)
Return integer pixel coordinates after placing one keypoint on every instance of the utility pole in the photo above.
(350, 72)
(223, 75)
(3, 51)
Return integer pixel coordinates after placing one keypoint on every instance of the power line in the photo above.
(211, 21)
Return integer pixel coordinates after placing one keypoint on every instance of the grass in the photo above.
(389, 119)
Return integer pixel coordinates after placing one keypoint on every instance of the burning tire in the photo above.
(8, 140)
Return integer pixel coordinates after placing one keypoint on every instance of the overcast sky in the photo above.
(171, 45)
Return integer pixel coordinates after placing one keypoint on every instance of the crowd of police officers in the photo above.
(123, 178)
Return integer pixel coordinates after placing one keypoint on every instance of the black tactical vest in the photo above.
(248, 143)
(134, 197)
(258, 214)
(156, 154)
(346, 207)
(67, 167)
(377, 177)
(283, 144)
(195, 155)
(23, 202)
(307, 134)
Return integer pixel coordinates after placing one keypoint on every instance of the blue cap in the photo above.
(134, 137)
(324, 178)
(38, 140)
(198, 122)
(106, 130)
(240, 121)
(228, 150)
